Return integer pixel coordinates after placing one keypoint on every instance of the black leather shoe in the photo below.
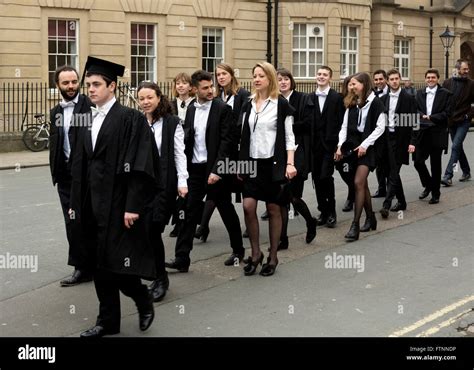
(353, 233)
(145, 318)
(384, 212)
(465, 177)
(424, 193)
(174, 233)
(268, 269)
(348, 206)
(322, 220)
(399, 207)
(264, 216)
(177, 265)
(251, 266)
(311, 230)
(331, 221)
(78, 277)
(159, 287)
(202, 233)
(434, 200)
(370, 223)
(379, 194)
(98, 332)
(234, 259)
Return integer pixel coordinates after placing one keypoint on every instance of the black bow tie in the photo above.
(183, 104)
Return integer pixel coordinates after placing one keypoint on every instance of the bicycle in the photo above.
(36, 137)
(126, 94)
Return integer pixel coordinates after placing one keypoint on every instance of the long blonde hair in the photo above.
(271, 74)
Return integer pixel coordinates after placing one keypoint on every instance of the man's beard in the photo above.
(66, 96)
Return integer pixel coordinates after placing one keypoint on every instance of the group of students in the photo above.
(123, 176)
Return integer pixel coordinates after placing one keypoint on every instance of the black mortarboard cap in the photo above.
(103, 67)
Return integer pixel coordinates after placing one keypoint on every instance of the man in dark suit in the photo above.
(323, 113)
(115, 175)
(402, 117)
(208, 142)
(434, 108)
(381, 89)
(70, 112)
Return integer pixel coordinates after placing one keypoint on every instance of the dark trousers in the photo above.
(323, 169)
(157, 242)
(108, 286)
(221, 195)
(395, 186)
(382, 177)
(431, 182)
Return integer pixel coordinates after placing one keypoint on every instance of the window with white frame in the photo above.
(308, 49)
(401, 57)
(62, 45)
(212, 48)
(349, 50)
(143, 53)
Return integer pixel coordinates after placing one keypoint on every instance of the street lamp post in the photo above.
(447, 39)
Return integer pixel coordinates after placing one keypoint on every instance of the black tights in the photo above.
(300, 206)
(362, 194)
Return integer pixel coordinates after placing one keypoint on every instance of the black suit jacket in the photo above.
(219, 141)
(302, 155)
(406, 104)
(440, 114)
(57, 160)
(324, 126)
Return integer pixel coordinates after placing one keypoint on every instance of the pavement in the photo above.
(413, 276)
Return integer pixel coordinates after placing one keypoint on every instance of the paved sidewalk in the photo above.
(14, 160)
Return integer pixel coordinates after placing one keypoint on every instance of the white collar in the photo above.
(396, 93)
(325, 91)
(106, 107)
(289, 95)
(75, 100)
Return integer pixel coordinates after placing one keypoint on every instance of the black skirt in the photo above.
(262, 187)
(369, 159)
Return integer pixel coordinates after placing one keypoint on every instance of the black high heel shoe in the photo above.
(251, 266)
(353, 233)
(370, 223)
(268, 269)
(202, 233)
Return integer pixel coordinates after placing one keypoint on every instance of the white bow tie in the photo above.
(204, 106)
(64, 104)
(321, 93)
(430, 91)
(97, 111)
(395, 95)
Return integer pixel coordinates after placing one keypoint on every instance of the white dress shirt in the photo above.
(200, 123)
(179, 156)
(430, 95)
(378, 131)
(322, 95)
(68, 109)
(383, 92)
(263, 129)
(229, 100)
(289, 95)
(393, 96)
(182, 111)
(98, 119)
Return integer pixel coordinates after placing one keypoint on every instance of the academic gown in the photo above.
(120, 175)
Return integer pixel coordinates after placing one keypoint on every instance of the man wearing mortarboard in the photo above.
(114, 177)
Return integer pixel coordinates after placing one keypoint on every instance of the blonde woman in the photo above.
(268, 141)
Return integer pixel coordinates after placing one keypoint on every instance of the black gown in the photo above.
(120, 175)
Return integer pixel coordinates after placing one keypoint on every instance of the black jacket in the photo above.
(406, 104)
(440, 114)
(57, 160)
(219, 143)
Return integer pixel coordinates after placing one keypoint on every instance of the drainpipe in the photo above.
(431, 37)
(269, 31)
(275, 47)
